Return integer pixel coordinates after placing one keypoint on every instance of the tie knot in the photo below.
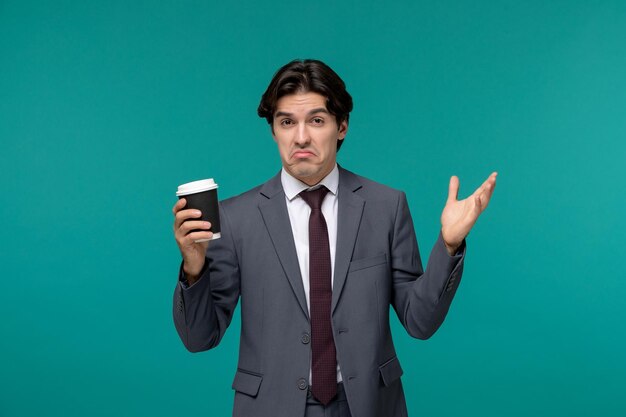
(315, 197)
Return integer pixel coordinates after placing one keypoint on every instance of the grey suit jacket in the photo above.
(377, 265)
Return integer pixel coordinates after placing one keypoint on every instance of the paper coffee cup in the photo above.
(202, 195)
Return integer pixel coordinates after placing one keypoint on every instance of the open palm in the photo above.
(459, 216)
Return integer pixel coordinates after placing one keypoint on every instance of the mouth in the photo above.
(302, 154)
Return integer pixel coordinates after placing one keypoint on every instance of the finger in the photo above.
(488, 188)
(480, 189)
(180, 204)
(485, 196)
(478, 205)
(190, 225)
(183, 215)
(191, 238)
(490, 180)
(453, 188)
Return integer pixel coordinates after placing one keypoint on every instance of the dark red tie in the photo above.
(324, 368)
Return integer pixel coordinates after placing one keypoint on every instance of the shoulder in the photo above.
(367, 188)
(250, 199)
(242, 201)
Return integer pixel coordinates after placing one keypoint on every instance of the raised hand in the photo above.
(458, 216)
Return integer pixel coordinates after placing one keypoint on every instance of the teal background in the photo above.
(105, 107)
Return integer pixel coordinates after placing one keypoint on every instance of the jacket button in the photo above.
(305, 338)
(302, 384)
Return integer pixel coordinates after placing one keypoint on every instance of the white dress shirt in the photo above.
(299, 212)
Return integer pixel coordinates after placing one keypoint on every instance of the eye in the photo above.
(317, 121)
(286, 122)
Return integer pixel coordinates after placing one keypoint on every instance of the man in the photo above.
(317, 255)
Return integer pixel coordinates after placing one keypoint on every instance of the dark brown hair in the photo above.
(303, 76)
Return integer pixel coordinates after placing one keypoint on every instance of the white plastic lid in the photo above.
(196, 187)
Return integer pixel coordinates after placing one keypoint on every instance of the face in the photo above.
(306, 135)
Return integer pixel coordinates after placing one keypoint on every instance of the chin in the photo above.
(303, 168)
(304, 174)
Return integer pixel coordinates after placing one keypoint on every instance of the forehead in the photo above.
(300, 102)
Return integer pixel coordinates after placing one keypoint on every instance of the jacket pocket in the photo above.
(247, 382)
(390, 371)
(367, 262)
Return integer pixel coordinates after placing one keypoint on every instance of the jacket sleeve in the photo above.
(421, 298)
(203, 311)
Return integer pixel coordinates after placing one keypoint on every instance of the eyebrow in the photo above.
(310, 113)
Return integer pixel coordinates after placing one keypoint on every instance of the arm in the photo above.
(421, 298)
(203, 310)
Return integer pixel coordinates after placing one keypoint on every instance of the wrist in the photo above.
(192, 274)
(451, 248)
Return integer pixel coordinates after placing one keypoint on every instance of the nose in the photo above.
(302, 136)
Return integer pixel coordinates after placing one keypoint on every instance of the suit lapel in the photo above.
(348, 220)
(276, 217)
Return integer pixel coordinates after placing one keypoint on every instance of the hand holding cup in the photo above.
(192, 237)
(196, 225)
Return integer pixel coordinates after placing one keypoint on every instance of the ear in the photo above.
(343, 130)
(272, 132)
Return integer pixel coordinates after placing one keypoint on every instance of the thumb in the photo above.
(453, 188)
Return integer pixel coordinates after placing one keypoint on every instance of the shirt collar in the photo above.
(293, 186)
